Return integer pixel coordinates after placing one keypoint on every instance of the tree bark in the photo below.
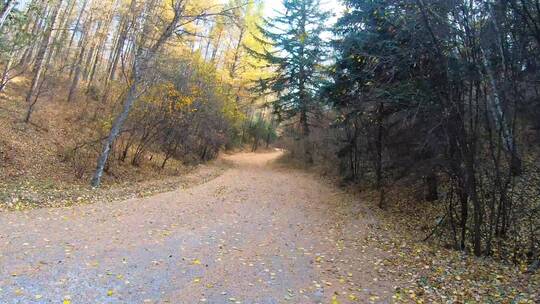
(378, 156)
(77, 69)
(497, 112)
(6, 10)
(77, 75)
(39, 64)
(141, 62)
(115, 130)
(6, 72)
(77, 24)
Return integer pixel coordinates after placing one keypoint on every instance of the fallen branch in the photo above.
(435, 228)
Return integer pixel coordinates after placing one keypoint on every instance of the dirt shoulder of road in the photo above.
(27, 195)
(425, 271)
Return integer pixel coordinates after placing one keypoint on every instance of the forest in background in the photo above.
(435, 101)
(128, 83)
(423, 101)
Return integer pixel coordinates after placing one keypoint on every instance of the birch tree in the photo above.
(6, 9)
(144, 58)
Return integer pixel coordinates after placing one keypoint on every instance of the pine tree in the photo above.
(295, 50)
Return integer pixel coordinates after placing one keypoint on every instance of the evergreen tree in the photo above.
(295, 50)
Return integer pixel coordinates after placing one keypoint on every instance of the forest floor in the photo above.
(39, 166)
(257, 233)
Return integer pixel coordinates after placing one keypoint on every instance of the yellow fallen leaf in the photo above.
(196, 262)
(110, 292)
(67, 302)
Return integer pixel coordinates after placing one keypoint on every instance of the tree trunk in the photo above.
(115, 130)
(6, 72)
(115, 55)
(61, 38)
(100, 47)
(236, 58)
(464, 200)
(477, 210)
(5, 11)
(304, 98)
(306, 134)
(378, 156)
(141, 63)
(77, 23)
(255, 146)
(164, 163)
(432, 185)
(77, 68)
(124, 27)
(125, 152)
(41, 10)
(33, 102)
(77, 74)
(216, 47)
(497, 112)
(39, 64)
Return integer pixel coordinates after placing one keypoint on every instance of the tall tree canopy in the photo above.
(437, 90)
(295, 51)
(108, 57)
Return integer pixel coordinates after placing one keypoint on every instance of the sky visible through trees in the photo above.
(334, 6)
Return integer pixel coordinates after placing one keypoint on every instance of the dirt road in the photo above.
(259, 233)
